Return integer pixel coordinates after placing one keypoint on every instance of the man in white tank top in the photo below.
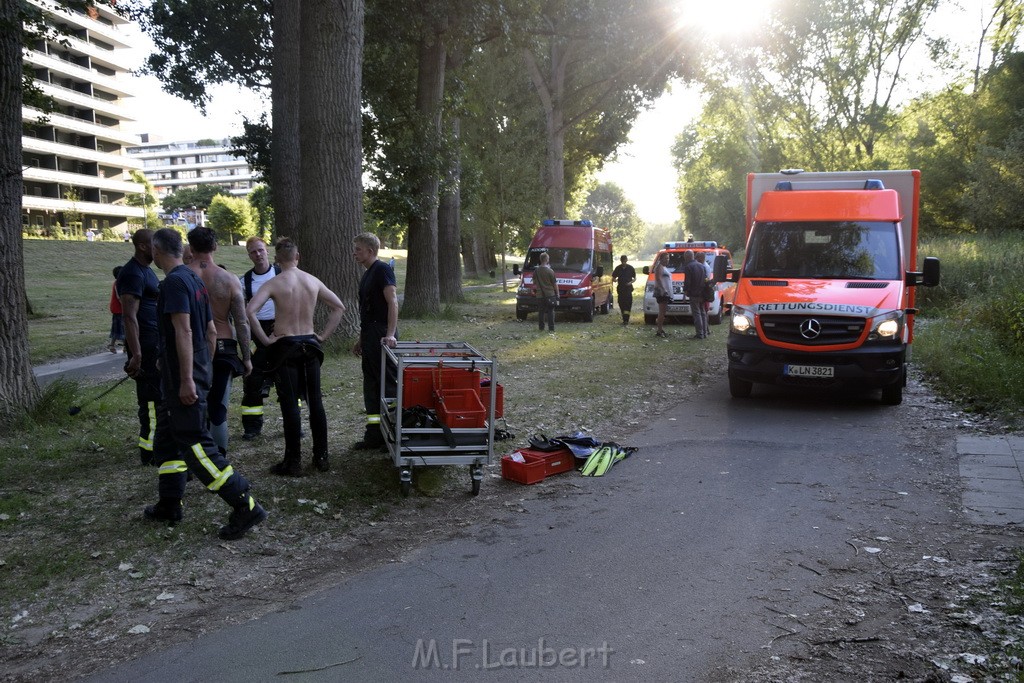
(256, 386)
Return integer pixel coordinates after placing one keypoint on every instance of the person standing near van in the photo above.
(662, 291)
(693, 271)
(547, 291)
(624, 275)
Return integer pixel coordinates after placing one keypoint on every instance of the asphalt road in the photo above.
(678, 561)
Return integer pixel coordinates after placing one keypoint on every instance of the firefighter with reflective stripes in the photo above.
(378, 318)
(256, 385)
(182, 442)
(137, 290)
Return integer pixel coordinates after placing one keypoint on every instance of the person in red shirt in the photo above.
(116, 317)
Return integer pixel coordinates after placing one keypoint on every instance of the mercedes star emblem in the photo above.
(810, 329)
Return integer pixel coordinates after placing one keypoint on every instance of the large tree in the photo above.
(309, 54)
(18, 387)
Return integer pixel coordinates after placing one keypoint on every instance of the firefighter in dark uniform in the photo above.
(378, 318)
(137, 289)
(624, 276)
(182, 442)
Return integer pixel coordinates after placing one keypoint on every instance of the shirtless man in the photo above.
(228, 304)
(293, 351)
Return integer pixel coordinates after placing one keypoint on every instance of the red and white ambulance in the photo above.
(825, 294)
(679, 307)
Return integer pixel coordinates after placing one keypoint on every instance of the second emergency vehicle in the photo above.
(580, 253)
(680, 304)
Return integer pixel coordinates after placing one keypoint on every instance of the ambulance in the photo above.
(679, 307)
(581, 256)
(825, 294)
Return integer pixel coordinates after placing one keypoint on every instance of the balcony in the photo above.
(111, 34)
(30, 144)
(45, 175)
(64, 95)
(88, 208)
(57, 65)
(73, 125)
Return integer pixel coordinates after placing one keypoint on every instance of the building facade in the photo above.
(172, 166)
(76, 174)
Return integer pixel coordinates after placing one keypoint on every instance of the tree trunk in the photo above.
(284, 157)
(468, 256)
(449, 268)
(422, 292)
(330, 147)
(18, 388)
(551, 92)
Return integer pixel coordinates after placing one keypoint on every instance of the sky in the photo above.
(642, 167)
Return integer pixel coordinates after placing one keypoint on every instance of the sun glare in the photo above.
(722, 18)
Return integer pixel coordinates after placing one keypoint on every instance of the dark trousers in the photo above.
(255, 386)
(148, 396)
(182, 444)
(546, 313)
(299, 371)
(371, 364)
(625, 300)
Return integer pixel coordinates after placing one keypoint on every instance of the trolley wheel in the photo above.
(405, 481)
(476, 475)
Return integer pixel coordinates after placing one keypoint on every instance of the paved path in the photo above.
(99, 366)
(992, 469)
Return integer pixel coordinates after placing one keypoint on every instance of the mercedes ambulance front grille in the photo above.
(823, 331)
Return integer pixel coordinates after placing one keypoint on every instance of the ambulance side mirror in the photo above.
(646, 270)
(599, 272)
(515, 269)
(722, 272)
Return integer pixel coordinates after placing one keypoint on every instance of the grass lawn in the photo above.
(68, 285)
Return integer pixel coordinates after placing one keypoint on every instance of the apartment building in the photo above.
(172, 166)
(75, 170)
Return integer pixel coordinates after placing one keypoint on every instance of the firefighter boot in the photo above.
(289, 467)
(625, 318)
(166, 510)
(245, 516)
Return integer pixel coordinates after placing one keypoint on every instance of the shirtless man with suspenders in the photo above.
(226, 300)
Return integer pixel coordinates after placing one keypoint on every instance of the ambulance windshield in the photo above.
(826, 249)
(574, 260)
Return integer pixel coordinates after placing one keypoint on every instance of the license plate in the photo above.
(809, 371)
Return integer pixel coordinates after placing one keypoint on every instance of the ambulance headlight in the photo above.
(523, 291)
(742, 321)
(888, 327)
(580, 291)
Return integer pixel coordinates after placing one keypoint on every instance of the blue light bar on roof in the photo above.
(563, 221)
(707, 244)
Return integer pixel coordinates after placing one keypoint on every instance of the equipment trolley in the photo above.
(456, 382)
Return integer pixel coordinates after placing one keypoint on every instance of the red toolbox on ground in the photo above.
(538, 465)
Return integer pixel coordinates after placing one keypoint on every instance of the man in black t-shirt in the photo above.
(378, 318)
(624, 275)
(182, 442)
(137, 288)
